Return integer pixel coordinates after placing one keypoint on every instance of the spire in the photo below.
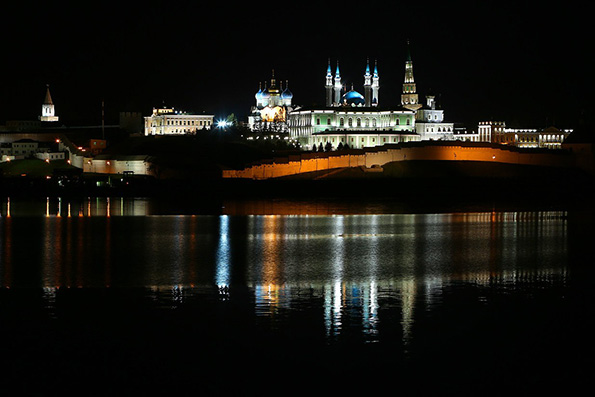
(48, 97)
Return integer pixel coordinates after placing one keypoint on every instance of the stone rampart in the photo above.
(379, 156)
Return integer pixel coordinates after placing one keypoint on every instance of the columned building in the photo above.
(167, 121)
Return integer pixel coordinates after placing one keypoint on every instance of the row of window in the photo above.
(358, 122)
(156, 123)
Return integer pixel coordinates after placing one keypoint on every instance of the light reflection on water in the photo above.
(355, 267)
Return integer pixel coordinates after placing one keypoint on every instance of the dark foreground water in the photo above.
(122, 297)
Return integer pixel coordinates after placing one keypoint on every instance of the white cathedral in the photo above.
(353, 120)
(273, 104)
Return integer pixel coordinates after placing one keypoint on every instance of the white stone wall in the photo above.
(114, 166)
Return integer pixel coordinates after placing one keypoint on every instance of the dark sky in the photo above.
(529, 65)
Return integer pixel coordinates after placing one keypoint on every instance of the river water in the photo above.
(128, 296)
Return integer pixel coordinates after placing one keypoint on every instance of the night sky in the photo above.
(528, 65)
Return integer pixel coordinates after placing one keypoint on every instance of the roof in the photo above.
(396, 108)
(48, 97)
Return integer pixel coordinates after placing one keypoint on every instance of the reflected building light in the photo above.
(334, 310)
(177, 295)
(49, 300)
(8, 208)
(328, 318)
(47, 207)
(370, 310)
(222, 273)
(408, 293)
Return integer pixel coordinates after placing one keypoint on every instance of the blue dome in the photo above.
(353, 97)
(286, 94)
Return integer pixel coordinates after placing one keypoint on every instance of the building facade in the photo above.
(167, 121)
(497, 132)
(430, 124)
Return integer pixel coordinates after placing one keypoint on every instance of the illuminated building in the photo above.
(430, 124)
(359, 121)
(48, 112)
(409, 97)
(273, 103)
(351, 119)
(497, 132)
(167, 121)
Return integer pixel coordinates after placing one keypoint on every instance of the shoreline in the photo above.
(364, 195)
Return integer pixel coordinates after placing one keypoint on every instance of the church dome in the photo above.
(286, 94)
(353, 98)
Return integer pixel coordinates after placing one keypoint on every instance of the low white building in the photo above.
(121, 164)
(430, 124)
(167, 121)
(353, 126)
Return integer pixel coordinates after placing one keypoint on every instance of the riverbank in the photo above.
(410, 185)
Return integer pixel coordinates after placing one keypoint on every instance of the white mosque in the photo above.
(353, 120)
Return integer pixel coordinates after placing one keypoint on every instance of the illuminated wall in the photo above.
(138, 165)
(450, 151)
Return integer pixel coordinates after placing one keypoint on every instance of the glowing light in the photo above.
(222, 124)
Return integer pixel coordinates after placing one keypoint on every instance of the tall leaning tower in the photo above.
(409, 98)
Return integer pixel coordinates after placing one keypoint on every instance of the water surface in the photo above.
(123, 295)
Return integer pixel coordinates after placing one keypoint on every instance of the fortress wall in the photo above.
(380, 156)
